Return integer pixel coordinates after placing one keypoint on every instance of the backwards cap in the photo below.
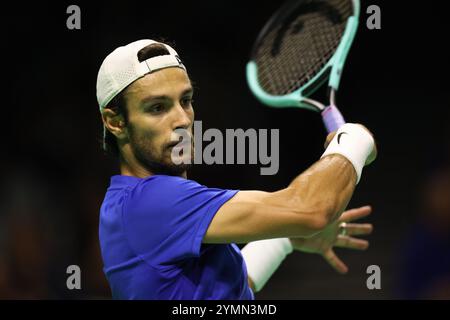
(122, 67)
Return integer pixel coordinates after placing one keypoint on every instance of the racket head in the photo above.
(305, 43)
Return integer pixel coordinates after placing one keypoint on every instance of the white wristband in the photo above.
(263, 257)
(353, 142)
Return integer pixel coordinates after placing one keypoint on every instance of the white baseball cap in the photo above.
(122, 67)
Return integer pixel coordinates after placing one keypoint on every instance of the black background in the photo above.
(55, 174)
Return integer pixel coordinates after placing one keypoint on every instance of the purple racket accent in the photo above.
(332, 118)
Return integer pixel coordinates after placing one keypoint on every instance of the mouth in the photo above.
(178, 144)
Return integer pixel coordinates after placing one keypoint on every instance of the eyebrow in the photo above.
(189, 90)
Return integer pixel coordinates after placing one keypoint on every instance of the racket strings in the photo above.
(293, 53)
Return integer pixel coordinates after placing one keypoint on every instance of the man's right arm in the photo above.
(316, 198)
(312, 201)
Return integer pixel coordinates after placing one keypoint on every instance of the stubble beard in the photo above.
(154, 161)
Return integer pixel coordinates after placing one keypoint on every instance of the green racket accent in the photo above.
(332, 70)
(293, 99)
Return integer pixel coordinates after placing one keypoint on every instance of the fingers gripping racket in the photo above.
(304, 44)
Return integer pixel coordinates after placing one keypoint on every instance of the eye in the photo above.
(186, 102)
(156, 108)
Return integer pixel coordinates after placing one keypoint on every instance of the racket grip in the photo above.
(332, 118)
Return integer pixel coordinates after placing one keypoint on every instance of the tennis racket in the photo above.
(304, 44)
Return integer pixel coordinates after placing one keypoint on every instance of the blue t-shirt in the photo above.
(151, 233)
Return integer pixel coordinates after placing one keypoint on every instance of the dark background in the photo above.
(55, 174)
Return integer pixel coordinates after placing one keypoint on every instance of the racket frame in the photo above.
(331, 71)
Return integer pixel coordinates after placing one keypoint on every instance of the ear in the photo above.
(114, 123)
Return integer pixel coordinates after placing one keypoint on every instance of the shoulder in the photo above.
(162, 185)
(169, 193)
(160, 182)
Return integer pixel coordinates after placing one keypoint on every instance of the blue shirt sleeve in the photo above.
(165, 218)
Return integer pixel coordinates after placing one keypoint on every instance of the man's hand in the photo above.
(323, 242)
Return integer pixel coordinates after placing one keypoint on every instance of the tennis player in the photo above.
(164, 236)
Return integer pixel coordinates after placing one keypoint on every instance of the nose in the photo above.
(182, 117)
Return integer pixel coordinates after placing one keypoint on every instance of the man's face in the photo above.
(158, 104)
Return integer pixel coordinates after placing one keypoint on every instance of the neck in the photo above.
(130, 166)
(127, 170)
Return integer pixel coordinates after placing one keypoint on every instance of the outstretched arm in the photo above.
(311, 203)
(313, 200)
